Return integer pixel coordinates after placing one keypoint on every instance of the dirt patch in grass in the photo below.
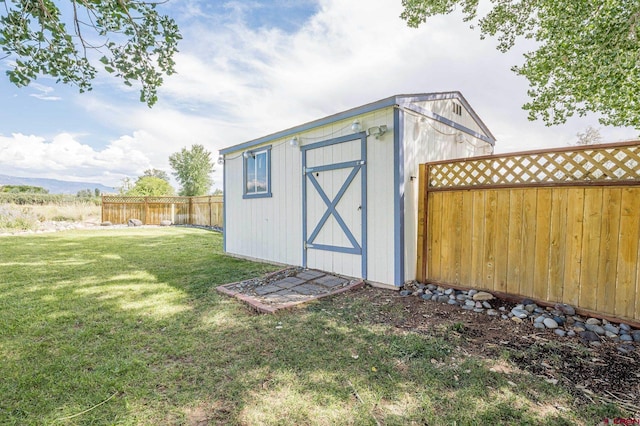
(590, 373)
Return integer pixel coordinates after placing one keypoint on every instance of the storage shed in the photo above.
(340, 194)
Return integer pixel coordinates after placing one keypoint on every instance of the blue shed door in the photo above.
(335, 205)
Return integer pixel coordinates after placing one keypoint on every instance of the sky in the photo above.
(247, 69)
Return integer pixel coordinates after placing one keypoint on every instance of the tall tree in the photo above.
(589, 137)
(156, 173)
(193, 168)
(132, 40)
(587, 57)
(151, 186)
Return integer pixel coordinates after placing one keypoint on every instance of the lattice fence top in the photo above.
(115, 199)
(578, 166)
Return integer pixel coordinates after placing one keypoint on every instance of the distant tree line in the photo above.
(23, 189)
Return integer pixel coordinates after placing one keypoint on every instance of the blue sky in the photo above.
(249, 68)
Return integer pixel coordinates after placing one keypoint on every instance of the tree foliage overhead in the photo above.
(587, 57)
(131, 39)
(193, 168)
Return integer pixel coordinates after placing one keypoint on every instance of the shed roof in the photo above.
(396, 100)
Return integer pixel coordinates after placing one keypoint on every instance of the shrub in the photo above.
(17, 218)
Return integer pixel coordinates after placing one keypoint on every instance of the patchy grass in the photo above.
(125, 327)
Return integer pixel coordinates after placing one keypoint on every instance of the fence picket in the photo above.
(555, 226)
(153, 210)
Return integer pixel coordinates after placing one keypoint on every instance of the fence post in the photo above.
(421, 249)
(145, 211)
(102, 208)
(190, 218)
(210, 211)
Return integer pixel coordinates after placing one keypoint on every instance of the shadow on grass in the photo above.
(131, 318)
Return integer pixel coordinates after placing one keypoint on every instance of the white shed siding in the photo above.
(426, 140)
(266, 228)
(380, 196)
(271, 228)
(444, 108)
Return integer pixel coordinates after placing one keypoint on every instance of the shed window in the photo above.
(257, 173)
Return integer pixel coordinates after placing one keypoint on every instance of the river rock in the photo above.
(589, 336)
(593, 321)
(566, 309)
(427, 296)
(626, 338)
(443, 299)
(636, 335)
(625, 327)
(106, 223)
(595, 328)
(493, 313)
(519, 313)
(550, 323)
(482, 296)
(625, 348)
(560, 332)
(165, 223)
(134, 222)
(611, 328)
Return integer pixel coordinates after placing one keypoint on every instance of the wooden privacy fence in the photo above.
(205, 210)
(554, 226)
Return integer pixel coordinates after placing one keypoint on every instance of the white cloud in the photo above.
(64, 157)
(237, 82)
(43, 92)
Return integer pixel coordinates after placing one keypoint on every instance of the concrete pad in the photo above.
(310, 274)
(270, 294)
(331, 281)
(267, 289)
(289, 282)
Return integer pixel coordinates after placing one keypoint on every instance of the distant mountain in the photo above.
(55, 186)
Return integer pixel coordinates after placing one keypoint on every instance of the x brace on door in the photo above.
(331, 207)
(355, 246)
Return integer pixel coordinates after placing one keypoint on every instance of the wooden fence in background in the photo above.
(205, 210)
(554, 226)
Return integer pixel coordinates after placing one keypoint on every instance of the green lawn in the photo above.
(125, 327)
